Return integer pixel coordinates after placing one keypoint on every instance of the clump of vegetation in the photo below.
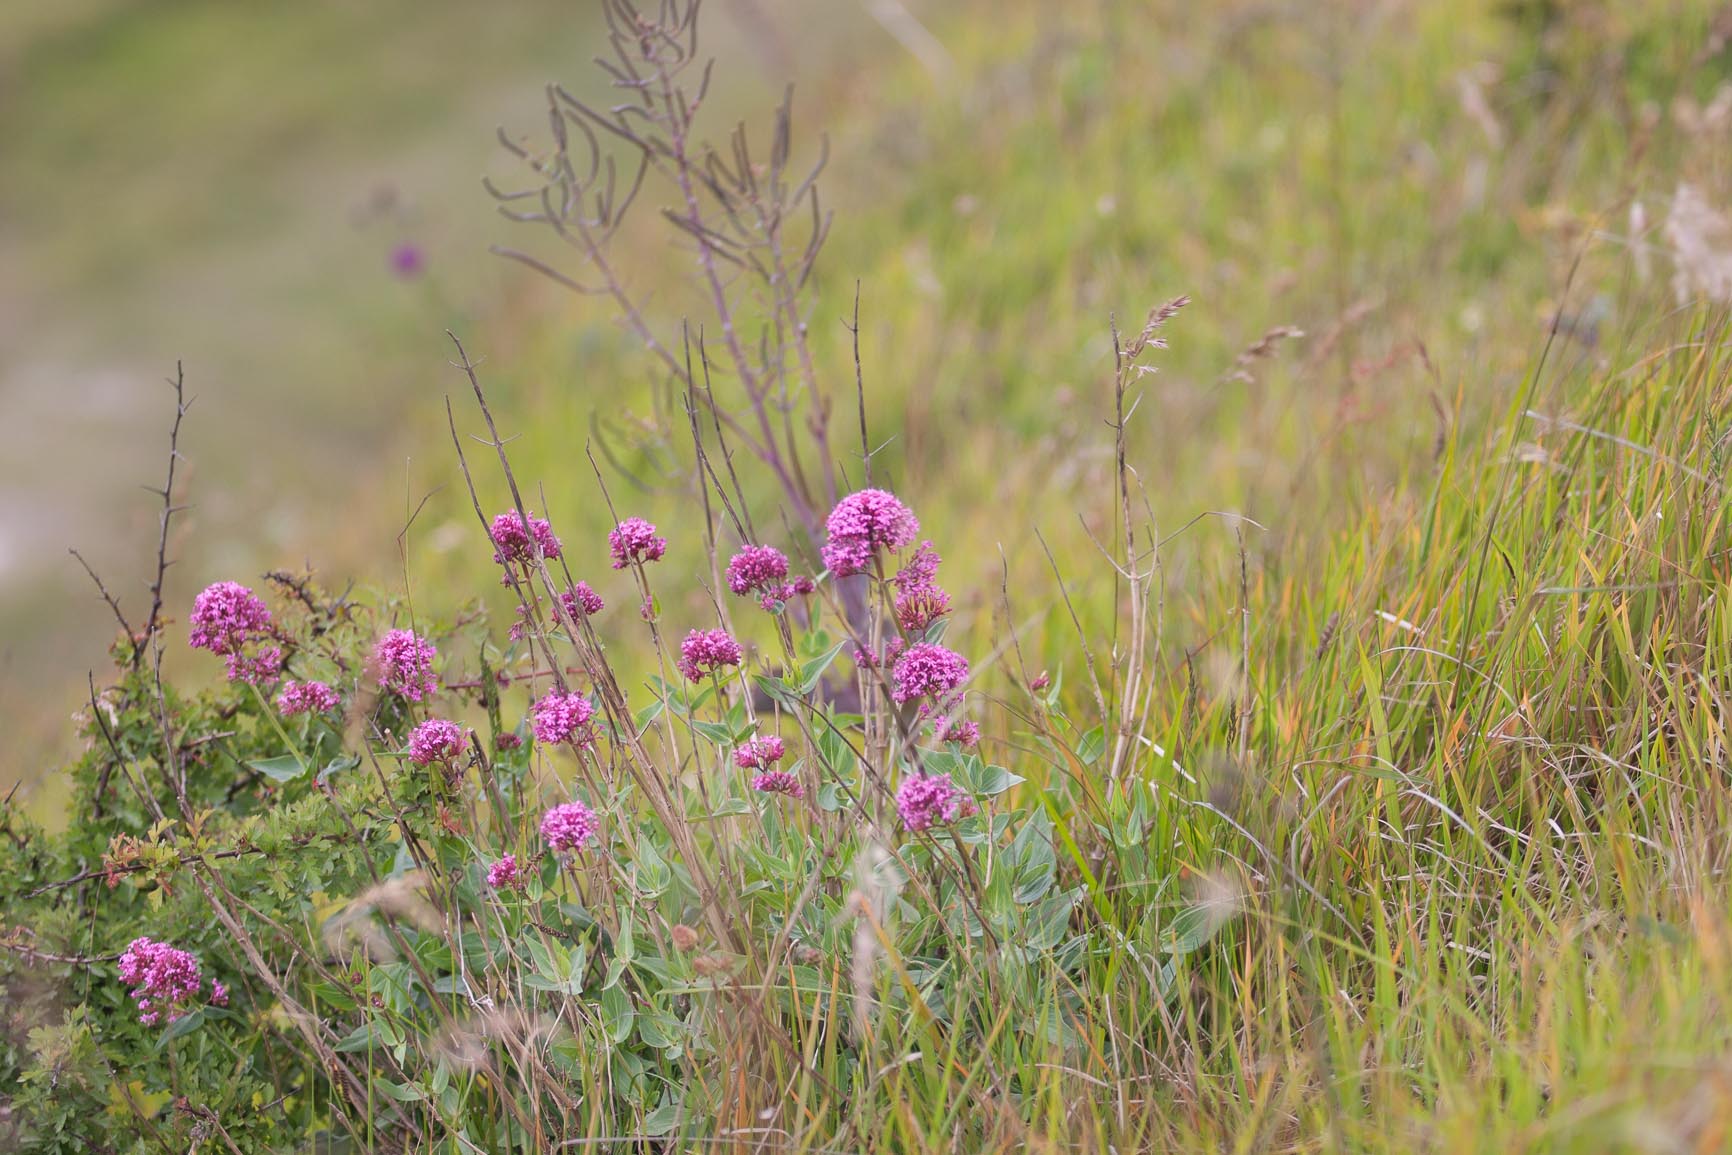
(1405, 839)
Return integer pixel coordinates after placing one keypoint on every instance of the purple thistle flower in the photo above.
(568, 826)
(407, 261)
(164, 979)
(927, 670)
(504, 874)
(306, 698)
(511, 542)
(863, 523)
(635, 540)
(756, 568)
(227, 616)
(436, 740)
(929, 800)
(405, 664)
(760, 753)
(560, 718)
(705, 651)
(778, 782)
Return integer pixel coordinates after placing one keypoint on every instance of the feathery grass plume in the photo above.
(1700, 238)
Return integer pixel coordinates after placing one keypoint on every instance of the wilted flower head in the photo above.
(756, 568)
(306, 698)
(436, 740)
(405, 664)
(863, 523)
(163, 979)
(760, 753)
(927, 670)
(778, 782)
(928, 800)
(504, 874)
(568, 826)
(635, 540)
(705, 651)
(561, 717)
(511, 540)
(226, 616)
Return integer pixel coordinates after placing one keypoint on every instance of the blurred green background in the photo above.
(232, 185)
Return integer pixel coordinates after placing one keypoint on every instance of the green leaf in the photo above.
(1193, 928)
(812, 672)
(994, 780)
(185, 1025)
(402, 1092)
(662, 1120)
(283, 768)
(362, 1038)
(1092, 746)
(653, 875)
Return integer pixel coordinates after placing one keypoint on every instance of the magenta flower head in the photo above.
(568, 826)
(436, 740)
(407, 261)
(918, 608)
(928, 800)
(560, 718)
(306, 698)
(760, 753)
(404, 661)
(511, 540)
(863, 523)
(959, 730)
(164, 979)
(705, 651)
(921, 570)
(227, 616)
(927, 670)
(634, 540)
(778, 782)
(260, 667)
(756, 568)
(503, 875)
(581, 601)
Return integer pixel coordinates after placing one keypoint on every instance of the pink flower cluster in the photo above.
(561, 717)
(763, 570)
(511, 541)
(778, 782)
(568, 826)
(920, 600)
(634, 540)
(705, 651)
(927, 670)
(306, 698)
(863, 523)
(227, 616)
(164, 980)
(959, 730)
(928, 800)
(436, 740)
(760, 753)
(579, 601)
(503, 875)
(228, 619)
(404, 661)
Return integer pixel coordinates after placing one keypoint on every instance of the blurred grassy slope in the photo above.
(1412, 185)
(224, 184)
